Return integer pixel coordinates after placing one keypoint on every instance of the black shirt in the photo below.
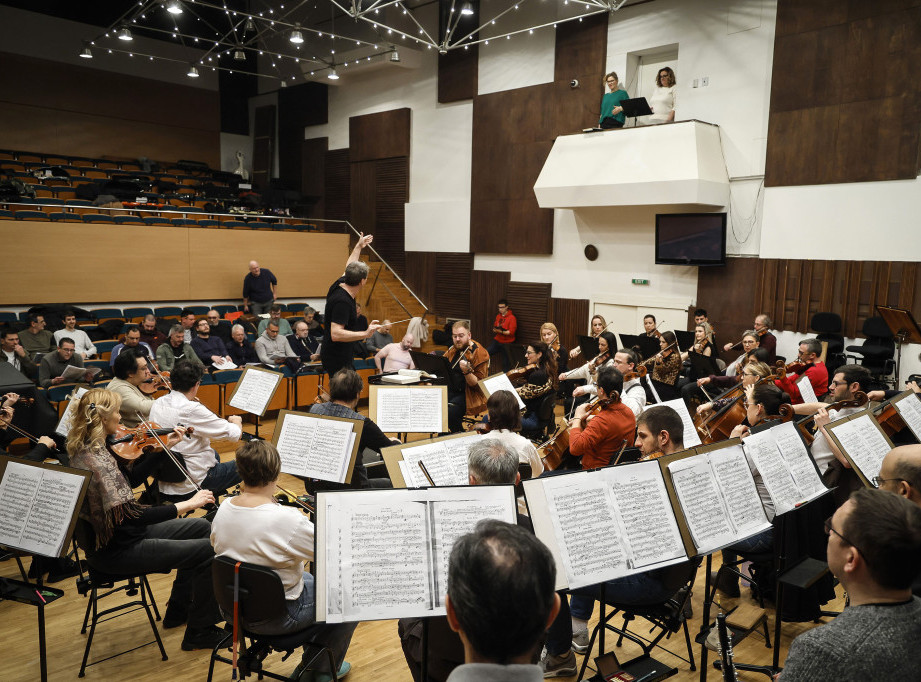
(242, 354)
(259, 289)
(303, 347)
(340, 309)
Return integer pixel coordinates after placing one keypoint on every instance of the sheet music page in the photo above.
(458, 450)
(314, 447)
(652, 389)
(393, 410)
(864, 443)
(691, 437)
(909, 409)
(587, 533)
(798, 460)
(702, 504)
(435, 458)
(645, 514)
(501, 382)
(425, 410)
(63, 428)
(36, 506)
(383, 561)
(806, 390)
(255, 390)
(772, 467)
(740, 495)
(412, 475)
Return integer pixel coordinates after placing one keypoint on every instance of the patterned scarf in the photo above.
(109, 499)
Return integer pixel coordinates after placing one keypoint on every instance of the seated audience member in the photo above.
(218, 330)
(252, 527)
(313, 325)
(874, 550)
(395, 356)
(500, 600)
(132, 340)
(380, 338)
(150, 335)
(131, 538)
(504, 425)
(272, 348)
(175, 349)
(187, 321)
(83, 346)
(275, 316)
(344, 392)
(490, 462)
(241, 351)
(131, 371)
(36, 339)
(16, 355)
(209, 349)
(203, 464)
(305, 346)
(813, 368)
(603, 435)
(53, 365)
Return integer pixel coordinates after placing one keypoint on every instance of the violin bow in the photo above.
(145, 424)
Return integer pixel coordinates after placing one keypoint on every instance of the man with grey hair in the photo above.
(307, 347)
(239, 348)
(175, 349)
(490, 462)
(273, 349)
(337, 351)
(812, 368)
(260, 289)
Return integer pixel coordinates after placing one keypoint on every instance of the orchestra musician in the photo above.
(633, 394)
(703, 341)
(470, 362)
(666, 364)
(659, 431)
(505, 423)
(128, 538)
(603, 434)
(541, 380)
(550, 336)
(607, 344)
(808, 365)
(649, 327)
(694, 392)
(597, 325)
(766, 339)
(753, 372)
(131, 371)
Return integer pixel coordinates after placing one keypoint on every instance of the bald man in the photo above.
(260, 289)
(901, 474)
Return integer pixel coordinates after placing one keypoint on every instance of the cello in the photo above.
(718, 425)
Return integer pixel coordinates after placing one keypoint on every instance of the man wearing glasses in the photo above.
(874, 549)
(901, 473)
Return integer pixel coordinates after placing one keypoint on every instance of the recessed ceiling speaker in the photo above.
(591, 252)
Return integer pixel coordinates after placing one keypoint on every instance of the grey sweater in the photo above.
(868, 642)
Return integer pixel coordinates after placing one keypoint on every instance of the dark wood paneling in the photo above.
(581, 48)
(853, 116)
(421, 278)
(263, 145)
(313, 174)
(337, 200)
(364, 210)
(458, 75)
(530, 301)
(486, 288)
(380, 136)
(453, 273)
(298, 107)
(391, 181)
(571, 317)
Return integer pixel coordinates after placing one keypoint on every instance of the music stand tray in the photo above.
(637, 106)
(904, 330)
(439, 366)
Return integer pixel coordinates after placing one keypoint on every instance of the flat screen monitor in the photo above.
(691, 239)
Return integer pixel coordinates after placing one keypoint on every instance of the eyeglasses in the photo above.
(878, 481)
(829, 530)
(838, 383)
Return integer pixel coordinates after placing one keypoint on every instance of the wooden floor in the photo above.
(375, 652)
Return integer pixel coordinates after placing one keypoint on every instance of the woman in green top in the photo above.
(612, 114)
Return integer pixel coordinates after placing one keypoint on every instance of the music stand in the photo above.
(637, 106)
(589, 346)
(437, 365)
(904, 330)
(685, 339)
(649, 345)
(704, 365)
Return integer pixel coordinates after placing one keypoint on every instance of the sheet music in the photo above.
(314, 447)
(587, 533)
(63, 427)
(225, 363)
(436, 461)
(501, 382)
(691, 438)
(700, 498)
(645, 513)
(806, 390)
(798, 460)
(737, 484)
(458, 451)
(652, 389)
(863, 442)
(410, 410)
(762, 449)
(74, 373)
(412, 474)
(254, 391)
(909, 408)
(36, 507)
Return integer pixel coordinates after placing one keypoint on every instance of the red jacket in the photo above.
(509, 323)
(603, 435)
(818, 377)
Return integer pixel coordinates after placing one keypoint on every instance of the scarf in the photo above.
(109, 499)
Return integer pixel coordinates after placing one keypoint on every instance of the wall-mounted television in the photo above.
(691, 239)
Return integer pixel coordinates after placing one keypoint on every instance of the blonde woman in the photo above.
(130, 538)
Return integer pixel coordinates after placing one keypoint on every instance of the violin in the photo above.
(129, 444)
(738, 346)
(521, 372)
(25, 402)
(598, 360)
(595, 405)
(664, 353)
(160, 382)
(463, 355)
(637, 374)
(798, 367)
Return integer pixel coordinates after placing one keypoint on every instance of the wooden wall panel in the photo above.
(530, 301)
(853, 116)
(458, 75)
(453, 272)
(338, 180)
(581, 48)
(313, 174)
(486, 288)
(264, 144)
(421, 276)
(363, 195)
(380, 136)
(571, 317)
(391, 180)
(204, 263)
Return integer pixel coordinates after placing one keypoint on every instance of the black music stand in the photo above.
(589, 346)
(704, 365)
(638, 106)
(438, 366)
(904, 330)
(685, 339)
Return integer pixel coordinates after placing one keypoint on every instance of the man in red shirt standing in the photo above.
(606, 432)
(813, 368)
(504, 328)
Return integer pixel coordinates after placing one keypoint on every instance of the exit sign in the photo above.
(639, 281)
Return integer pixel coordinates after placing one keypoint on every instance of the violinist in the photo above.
(44, 447)
(753, 372)
(666, 364)
(596, 326)
(542, 379)
(659, 431)
(695, 392)
(607, 344)
(254, 528)
(808, 365)
(703, 341)
(131, 371)
(180, 407)
(129, 538)
(766, 339)
(550, 336)
(633, 394)
(505, 423)
(604, 433)
(649, 327)
(470, 362)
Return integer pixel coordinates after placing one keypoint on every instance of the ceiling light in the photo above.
(193, 72)
(249, 26)
(125, 34)
(296, 37)
(284, 84)
(173, 7)
(86, 53)
(395, 56)
(239, 55)
(332, 75)
(467, 8)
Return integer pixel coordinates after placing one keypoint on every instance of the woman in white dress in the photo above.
(664, 98)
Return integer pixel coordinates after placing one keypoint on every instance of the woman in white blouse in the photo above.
(664, 98)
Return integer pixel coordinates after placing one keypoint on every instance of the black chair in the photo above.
(261, 597)
(545, 419)
(668, 617)
(877, 352)
(829, 326)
